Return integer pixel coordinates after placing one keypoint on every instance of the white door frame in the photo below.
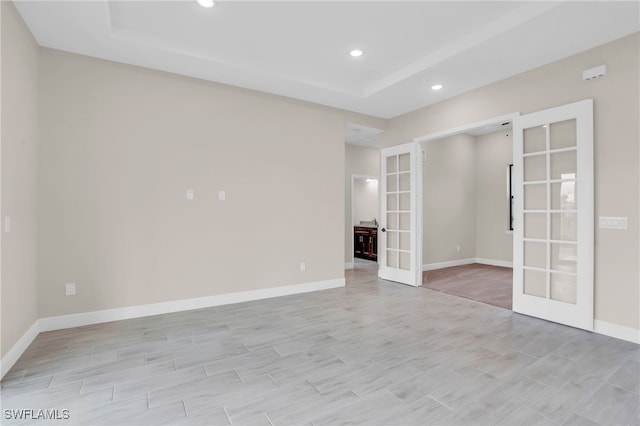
(445, 134)
(350, 265)
(467, 127)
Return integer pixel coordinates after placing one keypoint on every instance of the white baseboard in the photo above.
(494, 262)
(348, 265)
(618, 331)
(447, 264)
(18, 349)
(96, 317)
(460, 262)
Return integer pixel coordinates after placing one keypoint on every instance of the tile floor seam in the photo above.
(226, 413)
(438, 401)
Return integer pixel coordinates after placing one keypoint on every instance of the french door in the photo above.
(553, 205)
(399, 248)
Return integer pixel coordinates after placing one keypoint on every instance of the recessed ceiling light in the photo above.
(437, 87)
(205, 3)
(356, 53)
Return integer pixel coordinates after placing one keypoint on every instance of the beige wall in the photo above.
(464, 198)
(19, 148)
(617, 131)
(494, 152)
(359, 160)
(365, 200)
(121, 145)
(449, 199)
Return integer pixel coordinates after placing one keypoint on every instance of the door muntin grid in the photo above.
(550, 215)
(398, 211)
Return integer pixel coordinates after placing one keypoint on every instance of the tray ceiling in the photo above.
(300, 49)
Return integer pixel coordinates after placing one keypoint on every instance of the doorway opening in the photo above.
(466, 220)
(365, 206)
(362, 203)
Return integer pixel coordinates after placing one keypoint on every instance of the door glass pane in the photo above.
(563, 134)
(405, 221)
(564, 257)
(404, 165)
(535, 139)
(535, 283)
(563, 287)
(535, 168)
(392, 240)
(563, 196)
(405, 261)
(392, 164)
(535, 197)
(564, 226)
(405, 202)
(405, 241)
(535, 225)
(392, 258)
(535, 254)
(392, 202)
(392, 220)
(405, 181)
(392, 183)
(563, 163)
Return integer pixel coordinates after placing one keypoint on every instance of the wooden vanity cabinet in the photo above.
(365, 242)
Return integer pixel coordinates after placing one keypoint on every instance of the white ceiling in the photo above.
(300, 48)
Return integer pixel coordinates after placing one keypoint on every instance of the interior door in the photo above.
(553, 228)
(399, 249)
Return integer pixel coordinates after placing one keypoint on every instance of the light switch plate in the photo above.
(221, 195)
(608, 222)
(189, 194)
(70, 289)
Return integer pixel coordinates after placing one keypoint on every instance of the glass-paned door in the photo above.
(553, 230)
(398, 249)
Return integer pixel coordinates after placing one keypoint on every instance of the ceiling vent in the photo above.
(596, 72)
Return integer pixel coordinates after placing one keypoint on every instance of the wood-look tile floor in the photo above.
(373, 353)
(484, 283)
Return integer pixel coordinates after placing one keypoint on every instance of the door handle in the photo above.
(383, 230)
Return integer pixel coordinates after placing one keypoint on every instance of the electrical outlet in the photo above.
(70, 289)
(303, 266)
(458, 248)
(189, 194)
